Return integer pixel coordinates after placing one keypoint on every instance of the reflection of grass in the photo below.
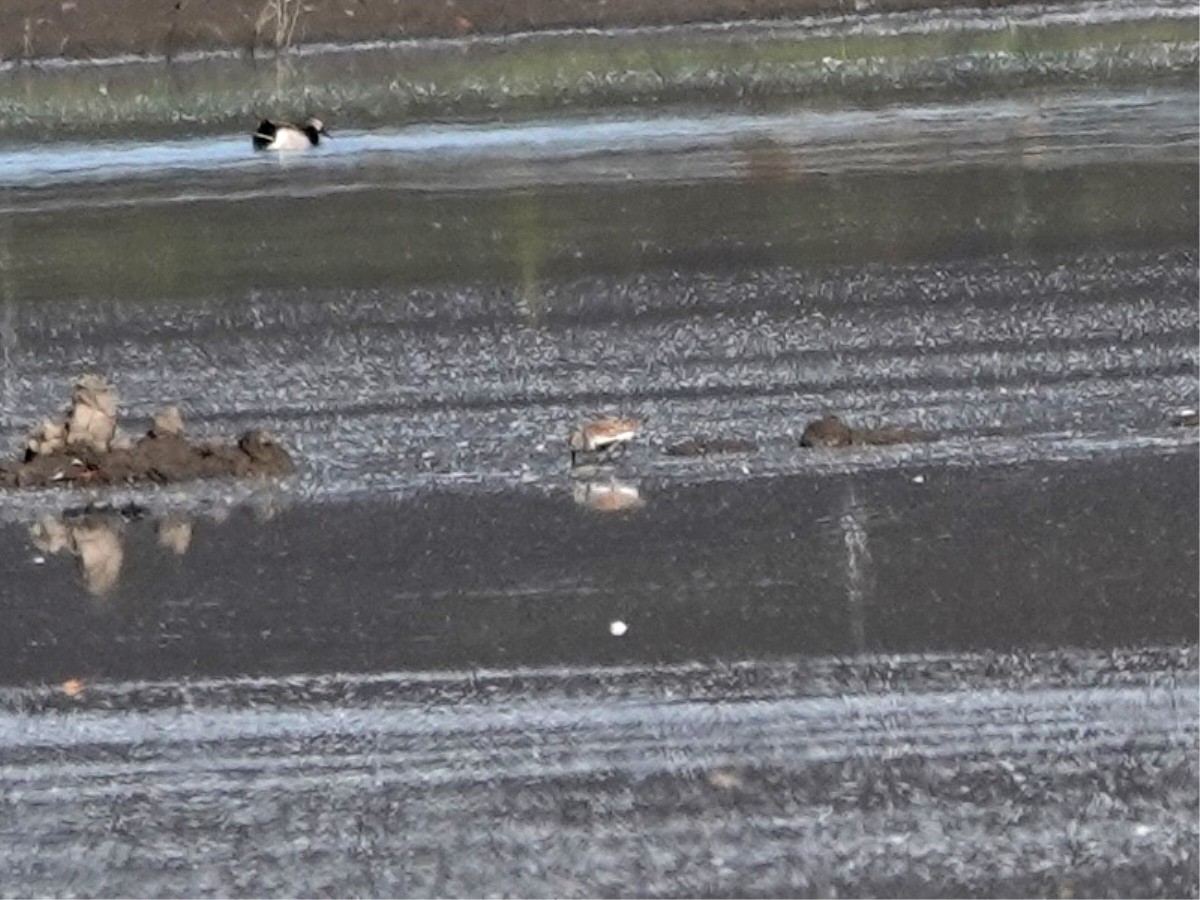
(528, 239)
(281, 18)
(557, 72)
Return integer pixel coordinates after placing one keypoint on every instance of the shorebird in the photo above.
(92, 418)
(602, 435)
(286, 136)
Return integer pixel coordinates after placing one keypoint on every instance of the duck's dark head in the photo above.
(315, 128)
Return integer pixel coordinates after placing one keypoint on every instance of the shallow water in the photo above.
(952, 268)
(398, 672)
(814, 563)
(568, 198)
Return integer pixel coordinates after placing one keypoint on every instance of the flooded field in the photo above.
(439, 660)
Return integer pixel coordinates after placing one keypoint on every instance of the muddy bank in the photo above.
(32, 29)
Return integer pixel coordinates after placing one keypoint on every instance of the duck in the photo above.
(286, 136)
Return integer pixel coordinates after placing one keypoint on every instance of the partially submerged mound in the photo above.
(85, 448)
(833, 432)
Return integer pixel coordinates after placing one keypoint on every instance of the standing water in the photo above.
(400, 671)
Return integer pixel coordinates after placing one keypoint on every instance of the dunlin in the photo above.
(602, 435)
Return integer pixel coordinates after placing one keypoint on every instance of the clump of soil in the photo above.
(833, 432)
(704, 446)
(85, 448)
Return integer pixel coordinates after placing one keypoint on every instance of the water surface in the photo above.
(438, 661)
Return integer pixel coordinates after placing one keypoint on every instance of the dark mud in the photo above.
(85, 448)
(704, 446)
(830, 431)
(162, 459)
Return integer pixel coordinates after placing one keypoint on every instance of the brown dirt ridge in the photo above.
(86, 448)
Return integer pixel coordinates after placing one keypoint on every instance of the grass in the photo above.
(279, 19)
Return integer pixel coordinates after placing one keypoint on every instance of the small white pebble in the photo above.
(39, 560)
(918, 479)
(617, 628)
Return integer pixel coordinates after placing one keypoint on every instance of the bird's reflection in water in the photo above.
(94, 541)
(174, 533)
(608, 496)
(94, 535)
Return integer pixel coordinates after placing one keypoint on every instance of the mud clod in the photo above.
(85, 449)
(831, 431)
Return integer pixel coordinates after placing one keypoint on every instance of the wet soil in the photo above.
(84, 448)
(830, 431)
(31, 29)
(703, 446)
(162, 459)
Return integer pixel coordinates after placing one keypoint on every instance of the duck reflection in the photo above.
(608, 496)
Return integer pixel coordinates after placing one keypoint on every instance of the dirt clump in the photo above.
(831, 431)
(85, 448)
